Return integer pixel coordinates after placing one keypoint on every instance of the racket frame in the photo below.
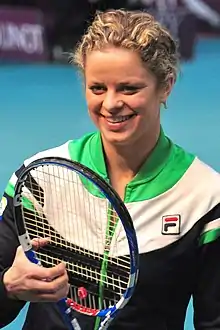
(64, 304)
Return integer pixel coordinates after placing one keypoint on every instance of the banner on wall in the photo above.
(22, 35)
(214, 4)
(204, 26)
(181, 19)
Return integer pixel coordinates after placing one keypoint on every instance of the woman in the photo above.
(129, 65)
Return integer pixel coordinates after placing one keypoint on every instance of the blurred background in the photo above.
(41, 95)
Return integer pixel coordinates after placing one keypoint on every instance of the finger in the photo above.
(51, 297)
(39, 242)
(43, 273)
(52, 287)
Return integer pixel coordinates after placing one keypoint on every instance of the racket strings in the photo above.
(83, 231)
(114, 281)
(38, 228)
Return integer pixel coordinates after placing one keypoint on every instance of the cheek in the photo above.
(93, 109)
(141, 102)
(93, 102)
(94, 116)
(147, 101)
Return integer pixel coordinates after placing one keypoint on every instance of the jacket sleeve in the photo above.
(8, 245)
(206, 296)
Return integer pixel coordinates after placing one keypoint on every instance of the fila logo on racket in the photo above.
(171, 224)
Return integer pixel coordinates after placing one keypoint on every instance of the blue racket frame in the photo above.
(109, 313)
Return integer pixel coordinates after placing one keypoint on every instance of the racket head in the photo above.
(29, 202)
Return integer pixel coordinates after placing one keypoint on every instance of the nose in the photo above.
(111, 102)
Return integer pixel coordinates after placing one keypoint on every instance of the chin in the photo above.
(118, 139)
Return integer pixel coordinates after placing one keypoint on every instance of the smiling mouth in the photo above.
(118, 119)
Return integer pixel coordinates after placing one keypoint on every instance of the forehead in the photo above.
(115, 64)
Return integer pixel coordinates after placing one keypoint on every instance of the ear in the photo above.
(166, 90)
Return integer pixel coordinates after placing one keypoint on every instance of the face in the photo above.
(122, 96)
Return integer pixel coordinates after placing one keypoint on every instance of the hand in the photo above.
(30, 282)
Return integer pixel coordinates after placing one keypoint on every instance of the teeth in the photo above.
(119, 119)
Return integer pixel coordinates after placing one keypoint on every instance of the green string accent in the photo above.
(108, 239)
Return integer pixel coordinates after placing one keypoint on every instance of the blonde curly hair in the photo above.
(135, 31)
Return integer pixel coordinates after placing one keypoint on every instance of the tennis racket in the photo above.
(90, 230)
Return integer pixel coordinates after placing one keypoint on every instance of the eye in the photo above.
(129, 89)
(97, 89)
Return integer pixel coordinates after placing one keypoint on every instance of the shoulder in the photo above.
(58, 151)
(202, 176)
(207, 183)
(71, 149)
(196, 193)
(196, 172)
(204, 182)
(198, 179)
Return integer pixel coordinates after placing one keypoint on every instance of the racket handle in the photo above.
(64, 309)
(68, 315)
(32, 257)
(64, 312)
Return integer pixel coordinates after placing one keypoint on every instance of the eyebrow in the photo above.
(137, 83)
(123, 83)
(96, 83)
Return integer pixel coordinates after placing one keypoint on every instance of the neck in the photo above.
(125, 161)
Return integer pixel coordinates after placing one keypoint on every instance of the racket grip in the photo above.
(67, 315)
(32, 257)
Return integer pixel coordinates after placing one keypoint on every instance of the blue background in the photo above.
(42, 106)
